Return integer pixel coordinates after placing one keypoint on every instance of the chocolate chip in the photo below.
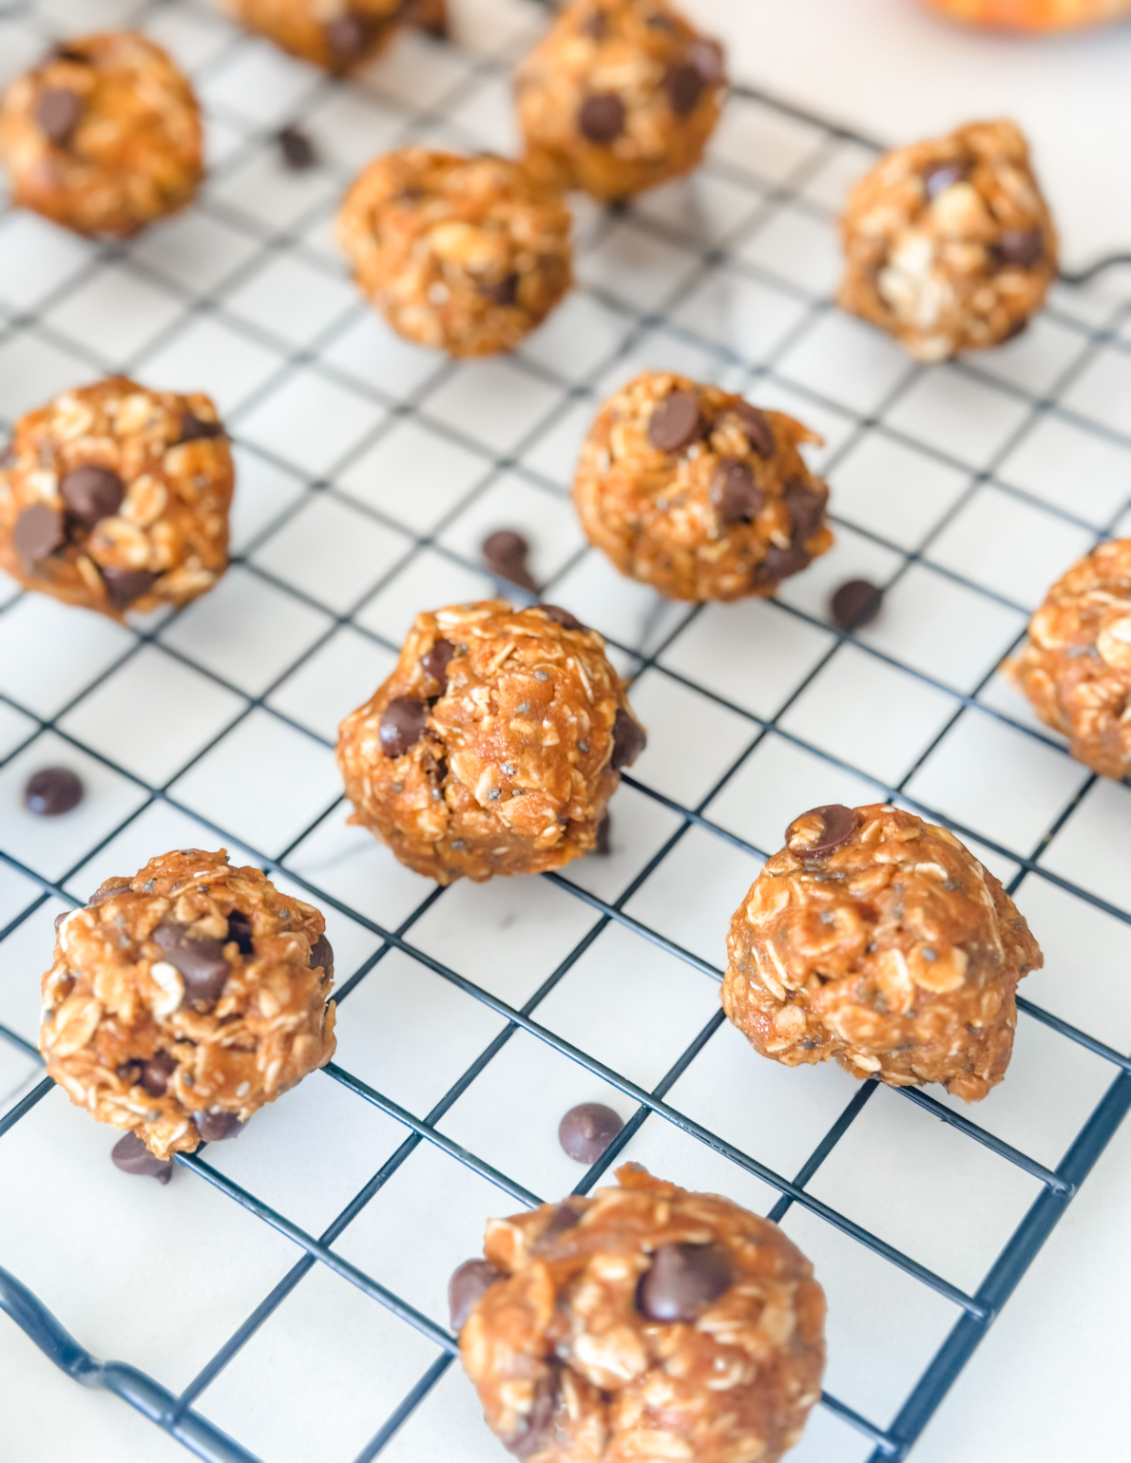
(239, 929)
(504, 554)
(629, 740)
(347, 37)
(61, 51)
(806, 508)
(132, 1156)
(596, 26)
(200, 962)
(684, 86)
(435, 661)
(298, 151)
(676, 422)
(196, 429)
(604, 846)
(587, 1130)
(735, 495)
(539, 1430)
(57, 112)
(92, 493)
(824, 830)
(39, 531)
(779, 564)
(322, 954)
(402, 725)
(51, 791)
(855, 604)
(129, 1072)
(214, 1127)
(155, 1073)
(473, 1279)
(104, 892)
(707, 58)
(1020, 248)
(61, 916)
(123, 586)
(561, 617)
(683, 1281)
(501, 291)
(938, 177)
(563, 1218)
(755, 427)
(601, 117)
(660, 21)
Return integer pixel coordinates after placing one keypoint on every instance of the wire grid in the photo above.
(763, 229)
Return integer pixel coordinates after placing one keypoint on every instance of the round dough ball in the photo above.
(698, 493)
(949, 245)
(620, 96)
(494, 746)
(464, 254)
(114, 497)
(1075, 667)
(878, 939)
(103, 136)
(337, 34)
(191, 994)
(645, 1322)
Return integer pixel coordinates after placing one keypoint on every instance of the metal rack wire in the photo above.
(178, 1414)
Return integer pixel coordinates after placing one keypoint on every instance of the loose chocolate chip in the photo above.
(629, 740)
(755, 428)
(676, 422)
(825, 829)
(51, 791)
(297, 149)
(604, 846)
(123, 586)
(196, 429)
(402, 725)
(779, 564)
(435, 662)
(539, 1430)
(1021, 248)
(347, 37)
(155, 1073)
(214, 1127)
(684, 86)
(561, 617)
(39, 531)
(501, 291)
(132, 1156)
(938, 177)
(92, 493)
(504, 554)
(200, 962)
(239, 929)
(587, 1130)
(473, 1279)
(57, 112)
(707, 58)
(683, 1281)
(806, 508)
(322, 954)
(855, 604)
(735, 495)
(601, 117)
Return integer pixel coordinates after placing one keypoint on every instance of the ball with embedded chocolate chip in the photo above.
(879, 940)
(494, 746)
(103, 136)
(620, 96)
(699, 493)
(114, 497)
(182, 1000)
(464, 254)
(643, 1322)
(949, 244)
(337, 34)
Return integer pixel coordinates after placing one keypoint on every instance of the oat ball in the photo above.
(103, 136)
(494, 746)
(645, 1323)
(948, 244)
(620, 96)
(464, 254)
(185, 998)
(1075, 666)
(699, 493)
(878, 939)
(114, 497)
(337, 34)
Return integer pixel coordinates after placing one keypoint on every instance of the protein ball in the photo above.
(103, 136)
(494, 746)
(645, 1322)
(879, 940)
(464, 254)
(620, 96)
(697, 492)
(338, 35)
(949, 245)
(184, 999)
(114, 497)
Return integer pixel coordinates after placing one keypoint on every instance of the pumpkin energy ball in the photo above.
(114, 497)
(621, 95)
(337, 34)
(878, 939)
(949, 245)
(1075, 666)
(494, 746)
(698, 493)
(466, 255)
(644, 1322)
(185, 998)
(103, 136)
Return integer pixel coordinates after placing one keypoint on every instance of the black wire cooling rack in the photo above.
(772, 172)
